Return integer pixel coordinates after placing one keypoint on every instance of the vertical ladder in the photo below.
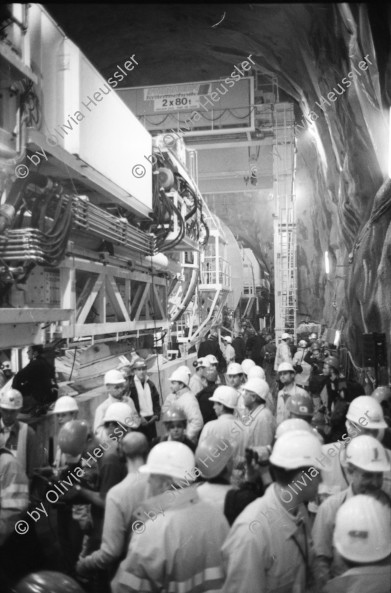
(285, 266)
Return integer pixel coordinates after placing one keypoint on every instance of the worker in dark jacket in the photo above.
(206, 406)
(239, 345)
(36, 381)
(146, 399)
(211, 346)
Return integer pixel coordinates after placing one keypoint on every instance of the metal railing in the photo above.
(216, 271)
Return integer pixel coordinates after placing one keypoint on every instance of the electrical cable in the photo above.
(73, 365)
(155, 328)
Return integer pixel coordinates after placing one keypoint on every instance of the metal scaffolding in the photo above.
(285, 267)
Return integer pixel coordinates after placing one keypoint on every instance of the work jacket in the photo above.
(260, 431)
(121, 503)
(224, 429)
(375, 578)
(14, 494)
(154, 394)
(187, 401)
(176, 549)
(327, 564)
(22, 442)
(267, 549)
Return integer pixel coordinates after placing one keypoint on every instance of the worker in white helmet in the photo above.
(364, 417)
(283, 353)
(234, 375)
(183, 398)
(197, 380)
(261, 426)
(269, 546)
(177, 539)
(367, 461)
(20, 438)
(259, 373)
(65, 409)
(115, 384)
(362, 538)
(225, 427)
(212, 361)
(286, 376)
(235, 378)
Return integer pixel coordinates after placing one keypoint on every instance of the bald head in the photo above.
(135, 444)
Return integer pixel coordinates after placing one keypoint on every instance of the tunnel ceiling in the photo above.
(343, 196)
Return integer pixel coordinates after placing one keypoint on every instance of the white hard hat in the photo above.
(185, 369)
(64, 404)
(181, 375)
(258, 386)
(313, 336)
(256, 372)
(297, 448)
(234, 368)
(119, 412)
(11, 400)
(114, 377)
(200, 363)
(247, 364)
(292, 424)
(367, 409)
(302, 344)
(169, 458)
(285, 336)
(285, 366)
(228, 396)
(227, 339)
(211, 359)
(368, 454)
(362, 530)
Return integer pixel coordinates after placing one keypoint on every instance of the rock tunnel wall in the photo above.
(342, 204)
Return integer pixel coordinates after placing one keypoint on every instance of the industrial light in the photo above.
(327, 262)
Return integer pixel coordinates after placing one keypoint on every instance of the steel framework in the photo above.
(285, 267)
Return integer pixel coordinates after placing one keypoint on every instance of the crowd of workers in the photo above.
(273, 475)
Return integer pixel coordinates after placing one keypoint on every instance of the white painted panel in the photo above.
(104, 133)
